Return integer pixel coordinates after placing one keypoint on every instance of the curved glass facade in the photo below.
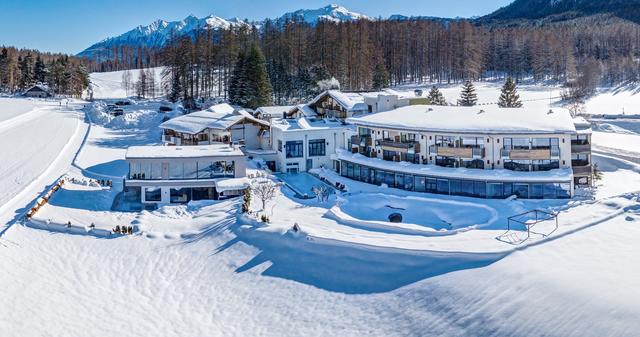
(462, 187)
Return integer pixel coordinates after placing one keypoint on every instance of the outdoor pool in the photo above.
(302, 183)
(417, 212)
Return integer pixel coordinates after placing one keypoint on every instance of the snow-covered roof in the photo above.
(557, 175)
(220, 117)
(400, 94)
(38, 87)
(582, 125)
(168, 152)
(232, 184)
(274, 111)
(305, 109)
(305, 123)
(348, 100)
(476, 119)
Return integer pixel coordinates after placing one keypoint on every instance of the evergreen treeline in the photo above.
(363, 55)
(20, 69)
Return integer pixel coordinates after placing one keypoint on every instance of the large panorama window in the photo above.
(463, 187)
(294, 149)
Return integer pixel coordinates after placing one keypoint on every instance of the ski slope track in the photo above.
(43, 144)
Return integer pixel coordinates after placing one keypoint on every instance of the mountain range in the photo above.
(159, 32)
(520, 12)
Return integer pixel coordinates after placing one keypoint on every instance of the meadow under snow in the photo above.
(202, 270)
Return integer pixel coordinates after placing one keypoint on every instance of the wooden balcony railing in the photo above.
(391, 145)
(528, 154)
(457, 152)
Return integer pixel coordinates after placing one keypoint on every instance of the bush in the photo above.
(246, 201)
(264, 218)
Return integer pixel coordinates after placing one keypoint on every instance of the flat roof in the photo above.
(170, 152)
(493, 175)
(475, 119)
(305, 123)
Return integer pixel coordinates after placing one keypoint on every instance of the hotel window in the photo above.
(134, 171)
(176, 170)
(205, 170)
(363, 131)
(517, 143)
(219, 168)
(230, 168)
(279, 146)
(472, 142)
(156, 171)
(544, 165)
(294, 149)
(190, 170)
(579, 139)
(317, 147)
(152, 194)
(407, 137)
(385, 134)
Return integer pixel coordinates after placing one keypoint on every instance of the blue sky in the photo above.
(72, 25)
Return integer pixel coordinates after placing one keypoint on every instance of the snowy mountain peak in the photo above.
(159, 32)
(332, 12)
(156, 34)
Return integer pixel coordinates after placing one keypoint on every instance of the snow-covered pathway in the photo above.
(38, 147)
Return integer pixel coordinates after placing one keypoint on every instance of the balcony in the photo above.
(580, 148)
(406, 147)
(530, 154)
(169, 139)
(458, 152)
(361, 141)
(579, 163)
(582, 170)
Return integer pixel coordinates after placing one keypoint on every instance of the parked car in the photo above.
(123, 102)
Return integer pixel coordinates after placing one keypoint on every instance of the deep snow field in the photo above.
(204, 270)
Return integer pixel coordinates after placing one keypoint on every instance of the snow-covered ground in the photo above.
(108, 85)
(38, 145)
(204, 270)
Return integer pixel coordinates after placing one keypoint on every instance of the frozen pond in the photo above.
(437, 214)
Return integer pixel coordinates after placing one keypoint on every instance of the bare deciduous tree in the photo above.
(322, 192)
(126, 82)
(265, 190)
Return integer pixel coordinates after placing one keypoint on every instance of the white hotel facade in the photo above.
(378, 138)
(485, 152)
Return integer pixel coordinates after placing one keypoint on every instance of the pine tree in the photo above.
(239, 81)
(468, 97)
(435, 97)
(380, 77)
(26, 71)
(509, 97)
(40, 70)
(259, 91)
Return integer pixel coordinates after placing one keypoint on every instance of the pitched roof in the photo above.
(219, 117)
(486, 119)
(349, 101)
(38, 87)
(274, 111)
